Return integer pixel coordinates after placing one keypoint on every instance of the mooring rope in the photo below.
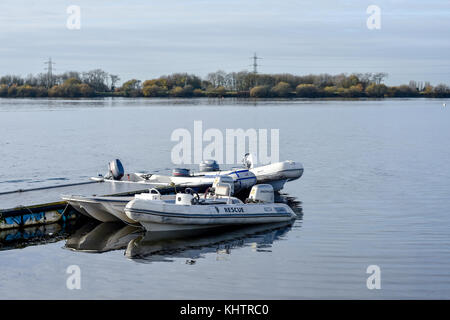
(50, 187)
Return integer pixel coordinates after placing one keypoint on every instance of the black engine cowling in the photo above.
(208, 166)
(116, 169)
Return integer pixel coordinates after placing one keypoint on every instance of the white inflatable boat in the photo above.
(276, 174)
(189, 211)
(112, 208)
(104, 209)
(243, 178)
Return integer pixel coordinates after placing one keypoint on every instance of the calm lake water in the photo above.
(376, 191)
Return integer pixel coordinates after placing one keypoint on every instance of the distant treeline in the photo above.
(98, 83)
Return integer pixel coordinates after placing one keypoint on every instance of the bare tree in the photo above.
(114, 80)
(97, 79)
(379, 77)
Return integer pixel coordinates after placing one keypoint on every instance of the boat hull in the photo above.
(104, 209)
(157, 227)
(161, 216)
(116, 207)
(91, 208)
(277, 174)
(76, 206)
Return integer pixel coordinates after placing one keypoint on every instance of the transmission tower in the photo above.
(255, 63)
(49, 69)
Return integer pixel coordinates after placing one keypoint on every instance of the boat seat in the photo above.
(222, 189)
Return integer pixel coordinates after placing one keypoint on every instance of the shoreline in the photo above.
(113, 97)
(241, 85)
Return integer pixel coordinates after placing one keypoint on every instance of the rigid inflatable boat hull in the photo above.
(116, 207)
(91, 208)
(277, 174)
(76, 205)
(160, 215)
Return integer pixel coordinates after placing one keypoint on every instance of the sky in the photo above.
(144, 39)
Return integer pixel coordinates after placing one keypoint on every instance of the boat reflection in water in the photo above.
(102, 237)
(163, 246)
(193, 244)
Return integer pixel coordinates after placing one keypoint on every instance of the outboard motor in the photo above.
(180, 172)
(116, 169)
(248, 161)
(209, 165)
(262, 193)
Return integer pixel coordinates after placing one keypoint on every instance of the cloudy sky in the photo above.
(146, 38)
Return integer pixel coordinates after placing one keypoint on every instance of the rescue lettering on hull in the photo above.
(234, 209)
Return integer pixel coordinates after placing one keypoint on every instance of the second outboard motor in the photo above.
(209, 165)
(262, 193)
(116, 169)
(248, 161)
